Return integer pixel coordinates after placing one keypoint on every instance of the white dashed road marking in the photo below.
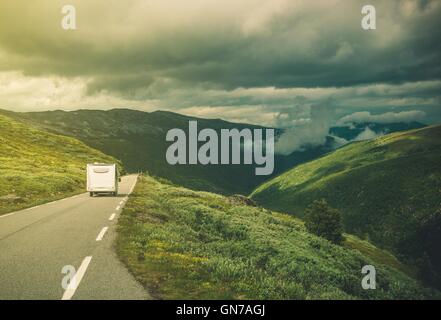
(101, 234)
(112, 216)
(75, 281)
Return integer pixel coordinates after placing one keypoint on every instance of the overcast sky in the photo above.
(267, 62)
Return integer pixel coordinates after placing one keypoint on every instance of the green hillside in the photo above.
(183, 244)
(138, 140)
(37, 166)
(387, 189)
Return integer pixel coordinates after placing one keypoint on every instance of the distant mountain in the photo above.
(388, 190)
(37, 166)
(352, 131)
(138, 139)
(339, 136)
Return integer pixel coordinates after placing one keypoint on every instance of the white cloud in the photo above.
(245, 114)
(270, 106)
(388, 117)
(367, 134)
(258, 61)
(338, 141)
(25, 93)
(311, 133)
(258, 18)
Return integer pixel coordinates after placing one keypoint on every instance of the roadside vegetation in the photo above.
(184, 244)
(37, 167)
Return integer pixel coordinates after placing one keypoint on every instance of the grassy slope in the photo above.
(36, 166)
(184, 244)
(385, 187)
(138, 140)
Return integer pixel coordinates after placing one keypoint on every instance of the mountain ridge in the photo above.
(137, 138)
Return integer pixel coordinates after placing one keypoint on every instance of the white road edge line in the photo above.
(28, 209)
(72, 197)
(9, 214)
(75, 282)
(12, 213)
(101, 234)
(112, 216)
(133, 186)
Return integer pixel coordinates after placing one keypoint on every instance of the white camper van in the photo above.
(102, 178)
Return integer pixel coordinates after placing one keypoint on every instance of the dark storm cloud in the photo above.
(261, 61)
(306, 45)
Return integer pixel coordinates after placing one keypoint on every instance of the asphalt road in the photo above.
(37, 243)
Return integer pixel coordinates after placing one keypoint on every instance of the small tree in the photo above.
(323, 220)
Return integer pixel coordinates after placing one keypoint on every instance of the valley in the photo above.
(138, 139)
(42, 161)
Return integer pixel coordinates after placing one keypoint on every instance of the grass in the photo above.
(379, 256)
(184, 244)
(386, 189)
(138, 139)
(38, 167)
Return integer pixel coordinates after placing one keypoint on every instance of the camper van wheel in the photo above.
(91, 194)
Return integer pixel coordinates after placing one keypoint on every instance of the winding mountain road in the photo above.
(43, 247)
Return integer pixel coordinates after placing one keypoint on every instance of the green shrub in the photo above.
(323, 220)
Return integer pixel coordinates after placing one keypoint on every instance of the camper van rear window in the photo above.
(101, 170)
